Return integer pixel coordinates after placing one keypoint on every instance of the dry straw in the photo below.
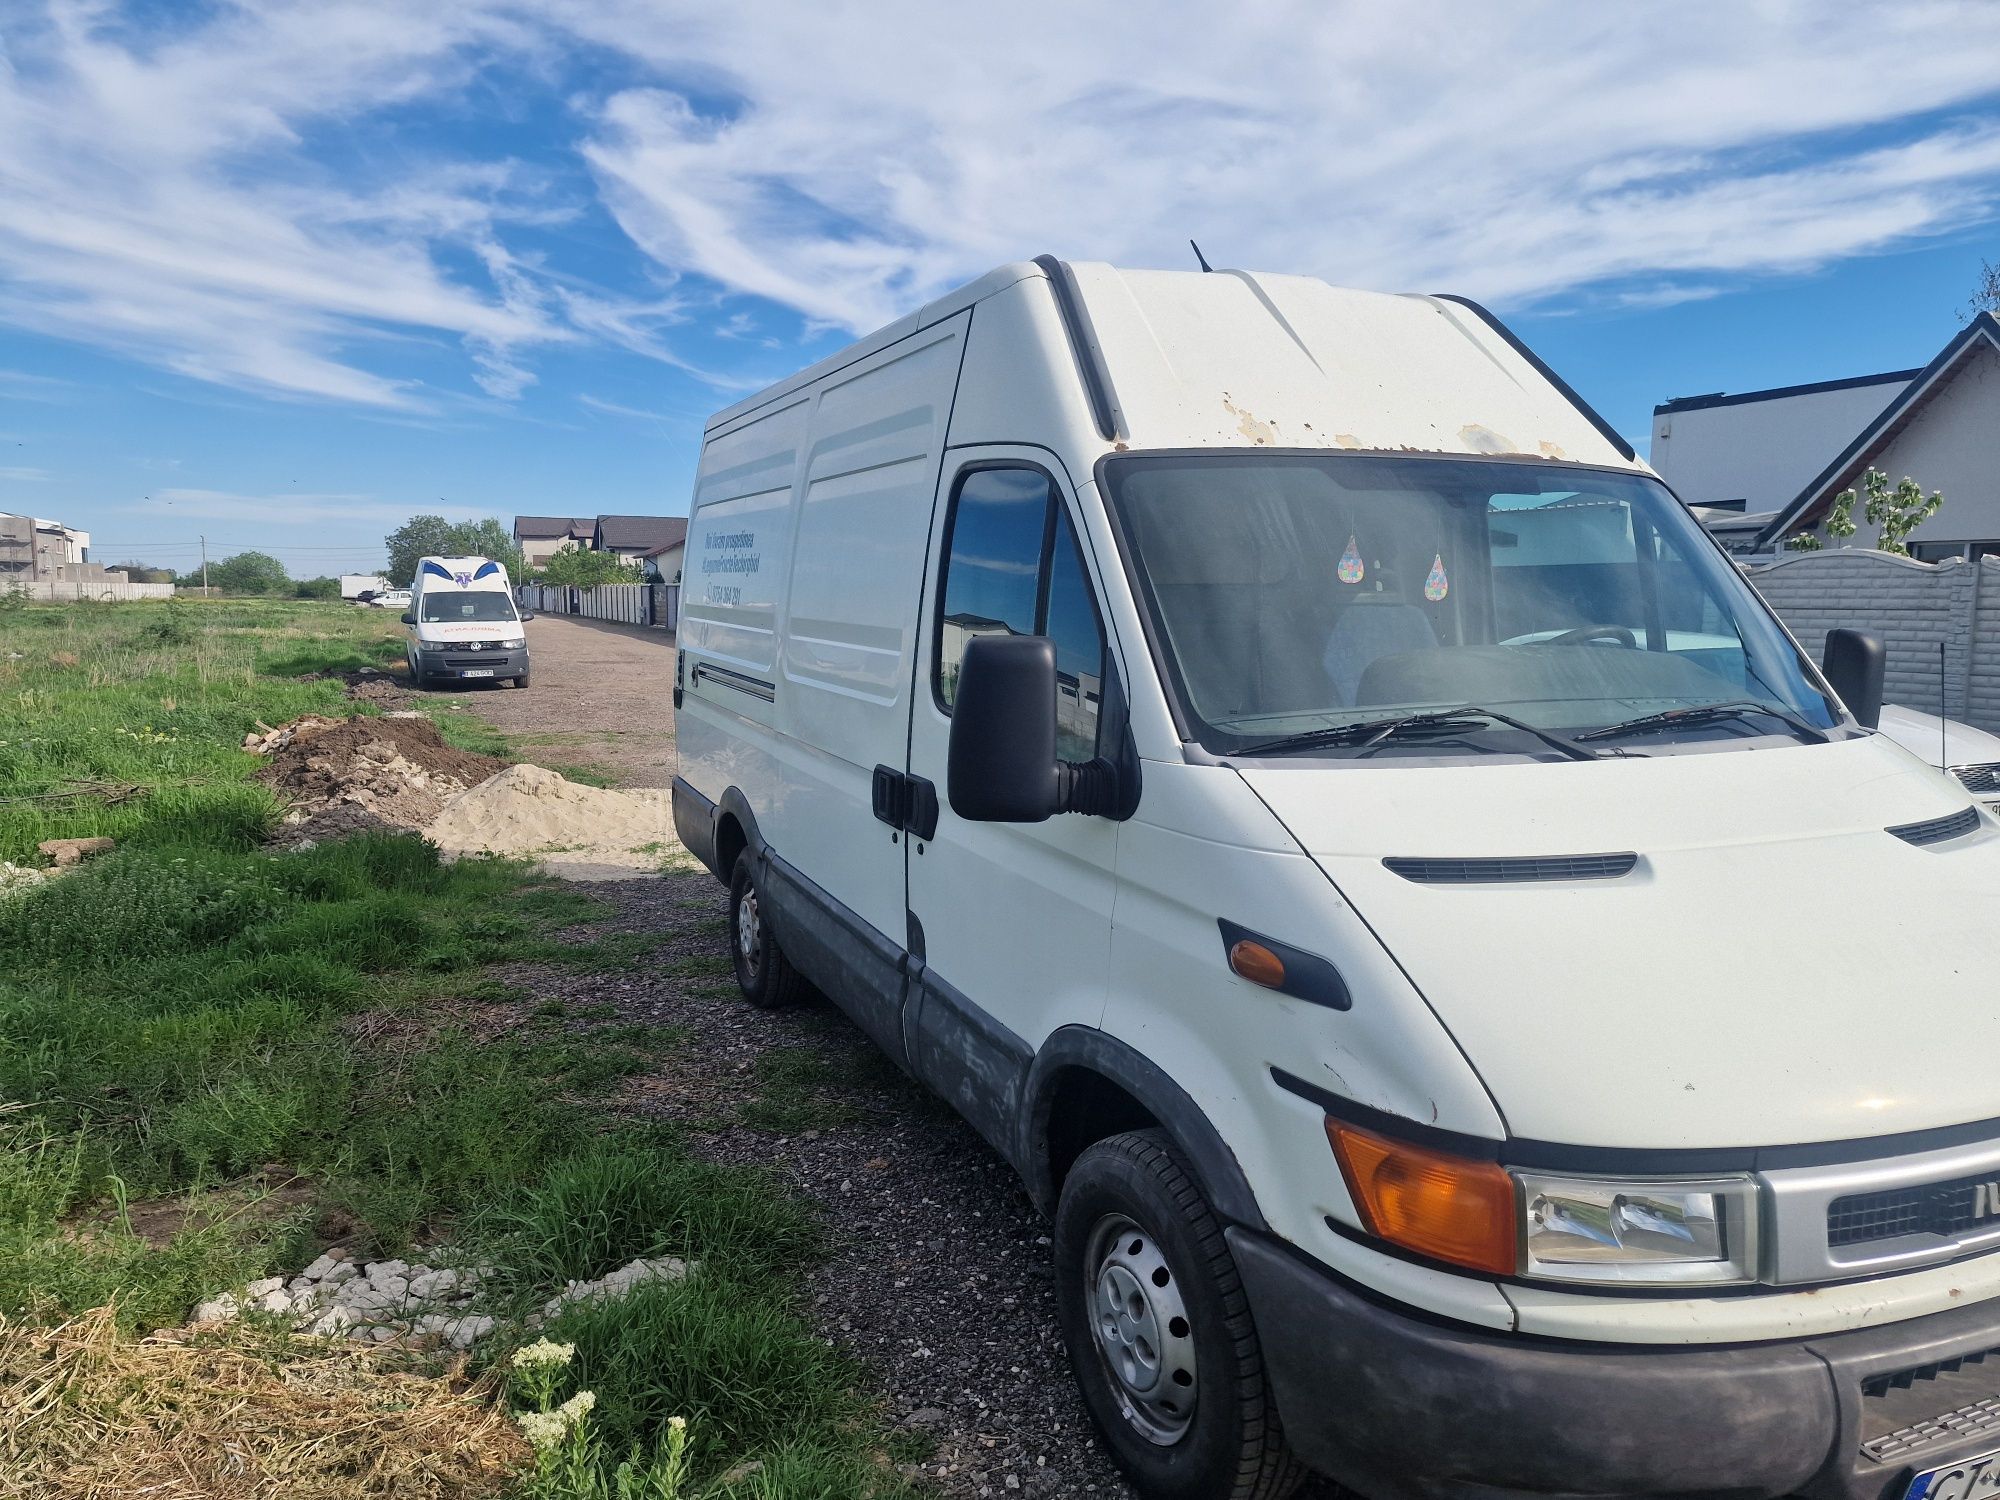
(89, 1414)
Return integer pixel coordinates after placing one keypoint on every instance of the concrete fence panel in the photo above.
(655, 604)
(1913, 606)
(47, 591)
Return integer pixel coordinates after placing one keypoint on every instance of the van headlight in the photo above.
(515, 644)
(433, 645)
(1664, 1232)
(1541, 1226)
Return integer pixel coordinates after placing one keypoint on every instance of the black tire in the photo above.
(1229, 1446)
(764, 974)
(521, 681)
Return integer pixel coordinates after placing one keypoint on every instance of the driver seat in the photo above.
(1365, 633)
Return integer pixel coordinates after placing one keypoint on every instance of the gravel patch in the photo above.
(939, 1277)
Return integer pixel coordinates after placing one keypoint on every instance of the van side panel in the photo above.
(738, 541)
(812, 520)
(867, 484)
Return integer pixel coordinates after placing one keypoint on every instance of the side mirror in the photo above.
(409, 619)
(527, 615)
(1001, 767)
(1853, 664)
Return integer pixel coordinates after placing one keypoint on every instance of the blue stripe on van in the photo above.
(486, 570)
(431, 567)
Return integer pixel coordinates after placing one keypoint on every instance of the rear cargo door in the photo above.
(1010, 930)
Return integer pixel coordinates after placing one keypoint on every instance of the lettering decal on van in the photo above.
(728, 552)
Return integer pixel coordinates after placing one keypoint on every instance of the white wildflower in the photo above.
(542, 1352)
(679, 1424)
(543, 1429)
(577, 1407)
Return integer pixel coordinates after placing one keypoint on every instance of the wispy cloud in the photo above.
(1552, 147)
(613, 408)
(292, 509)
(24, 476)
(187, 191)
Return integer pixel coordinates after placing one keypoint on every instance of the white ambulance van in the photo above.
(463, 625)
(1234, 739)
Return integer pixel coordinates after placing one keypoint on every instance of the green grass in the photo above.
(192, 1018)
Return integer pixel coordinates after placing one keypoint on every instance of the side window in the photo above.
(992, 579)
(1014, 566)
(1072, 623)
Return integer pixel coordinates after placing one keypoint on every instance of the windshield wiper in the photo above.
(1372, 732)
(1705, 713)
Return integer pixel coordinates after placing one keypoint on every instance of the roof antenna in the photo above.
(1201, 259)
(1944, 724)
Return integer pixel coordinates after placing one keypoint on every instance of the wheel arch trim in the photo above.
(1087, 1049)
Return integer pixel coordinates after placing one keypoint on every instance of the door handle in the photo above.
(920, 813)
(906, 802)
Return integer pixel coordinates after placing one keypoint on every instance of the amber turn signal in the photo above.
(1258, 964)
(1442, 1206)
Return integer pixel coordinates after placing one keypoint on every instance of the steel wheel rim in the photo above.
(1140, 1327)
(749, 933)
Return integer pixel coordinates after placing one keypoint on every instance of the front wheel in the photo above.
(1159, 1330)
(763, 973)
(521, 681)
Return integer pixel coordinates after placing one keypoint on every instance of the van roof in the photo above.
(1172, 359)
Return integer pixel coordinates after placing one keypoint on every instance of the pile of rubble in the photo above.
(343, 776)
(389, 1300)
(62, 854)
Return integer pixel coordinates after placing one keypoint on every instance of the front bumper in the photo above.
(473, 664)
(1404, 1408)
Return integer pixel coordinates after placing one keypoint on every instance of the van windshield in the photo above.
(440, 607)
(1292, 595)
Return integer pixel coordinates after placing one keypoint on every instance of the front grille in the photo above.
(1942, 1208)
(1981, 781)
(1484, 871)
(1945, 1402)
(1952, 826)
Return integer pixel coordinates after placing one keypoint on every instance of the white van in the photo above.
(1226, 735)
(463, 625)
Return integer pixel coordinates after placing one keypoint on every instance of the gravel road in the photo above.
(602, 696)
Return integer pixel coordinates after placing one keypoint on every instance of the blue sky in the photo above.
(284, 274)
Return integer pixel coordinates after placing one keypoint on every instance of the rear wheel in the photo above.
(1159, 1331)
(764, 974)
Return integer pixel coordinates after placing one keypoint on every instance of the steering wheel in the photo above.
(1586, 633)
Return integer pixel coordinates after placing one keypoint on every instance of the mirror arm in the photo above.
(1088, 786)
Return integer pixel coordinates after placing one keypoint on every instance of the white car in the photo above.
(1186, 721)
(396, 599)
(1972, 755)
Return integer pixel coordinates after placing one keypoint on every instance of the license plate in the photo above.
(477, 672)
(1968, 1479)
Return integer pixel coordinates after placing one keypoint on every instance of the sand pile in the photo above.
(579, 832)
(347, 776)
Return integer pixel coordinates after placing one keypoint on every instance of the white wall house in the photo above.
(542, 537)
(1763, 466)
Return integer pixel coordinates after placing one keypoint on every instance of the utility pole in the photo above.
(204, 567)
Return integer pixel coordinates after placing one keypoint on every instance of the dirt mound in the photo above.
(353, 775)
(584, 832)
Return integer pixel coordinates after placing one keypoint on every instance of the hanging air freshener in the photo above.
(1436, 586)
(1352, 570)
